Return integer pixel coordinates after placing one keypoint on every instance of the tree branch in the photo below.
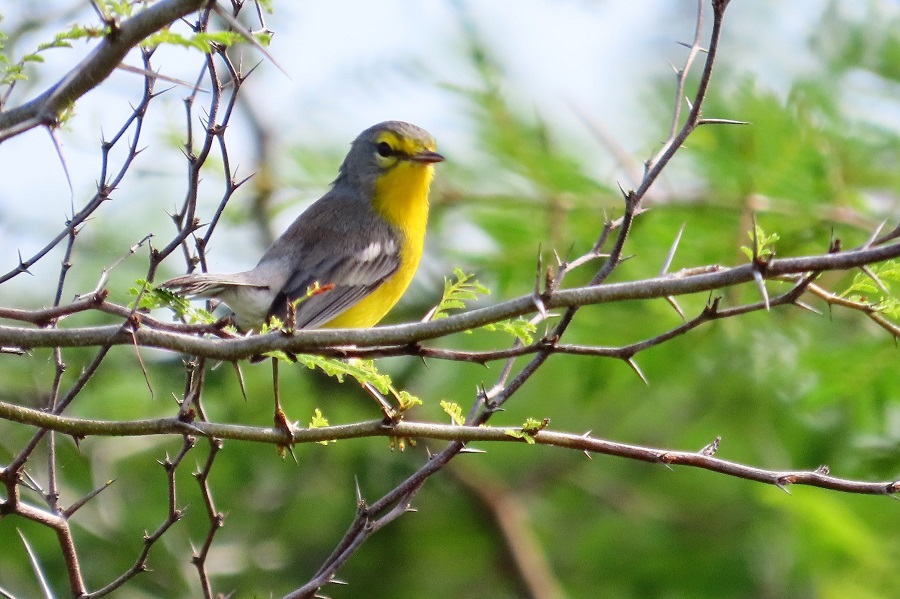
(693, 281)
(80, 427)
(93, 70)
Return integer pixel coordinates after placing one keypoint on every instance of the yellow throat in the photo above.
(401, 198)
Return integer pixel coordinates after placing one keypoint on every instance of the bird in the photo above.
(349, 256)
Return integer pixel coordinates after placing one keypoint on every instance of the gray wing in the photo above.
(354, 274)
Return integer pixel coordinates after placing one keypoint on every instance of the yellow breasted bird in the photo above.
(361, 241)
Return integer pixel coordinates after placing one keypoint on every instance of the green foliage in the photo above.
(363, 371)
(454, 411)
(457, 292)
(63, 39)
(319, 421)
(11, 72)
(764, 242)
(205, 41)
(8, 72)
(528, 430)
(115, 9)
(466, 288)
(802, 152)
(864, 289)
(406, 400)
(519, 328)
(151, 297)
(866, 39)
(515, 143)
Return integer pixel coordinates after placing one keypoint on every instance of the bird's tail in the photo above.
(206, 285)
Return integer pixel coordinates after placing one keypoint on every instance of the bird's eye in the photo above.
(385, 149)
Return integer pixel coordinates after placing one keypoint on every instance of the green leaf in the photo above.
(153, 297)
(765, 244)
(407, 400)
(466, 288)
(520, 328)
(204, 41)
(363, 371)
(454, 411)
(457, 293)
(528, 430)
(865, 290)
(319, 421)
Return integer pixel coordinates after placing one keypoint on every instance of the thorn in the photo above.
(668, 261)
(691, 46)
(761, 285)
(537, 272)
(193, 429)
(587, 455)
(722, 122)
(481, 393)
(665, 460)
(755, 238)
(360, 502)
(391, 415)
(637, 370)
(290, 450)
(834, 243)
(62, 159)
(559, 260)
(539, 305)
(470, 450)
(711, 449)
(871, 274)
(22, 267)
(675, 306)
(155, 75)
(782, 481)
(240, 377)
(893, 489)
(874, 235)
(805, 306)
(622, 189)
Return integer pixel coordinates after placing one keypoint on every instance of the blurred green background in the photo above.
(785, 390)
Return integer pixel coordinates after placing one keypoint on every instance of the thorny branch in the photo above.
(120, 38)
(217, 432)
(330, 342)
(211, 342)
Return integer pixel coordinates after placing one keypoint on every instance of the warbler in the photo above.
(360, 243)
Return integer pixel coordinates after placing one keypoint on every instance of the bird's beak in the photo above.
(427, 157)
